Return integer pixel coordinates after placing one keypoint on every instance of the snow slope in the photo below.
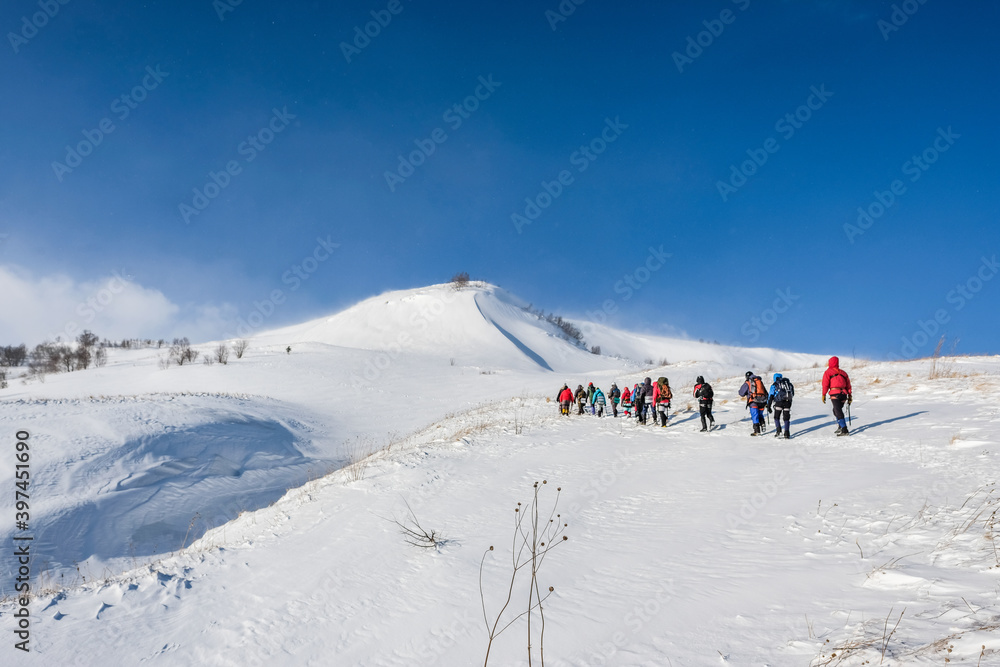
(684, 548)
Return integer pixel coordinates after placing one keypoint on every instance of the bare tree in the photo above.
(240, 346)
(100, 357)
(11, 355)
(83, 357)
(181, 352)
(460, 280)
(87, 339)
(222, 353)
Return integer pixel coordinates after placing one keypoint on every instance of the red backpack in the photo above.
(757, 393)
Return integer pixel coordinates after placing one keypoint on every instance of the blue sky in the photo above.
(300, 132)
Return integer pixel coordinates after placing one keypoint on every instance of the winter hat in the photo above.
(700, 380)
(749, 375)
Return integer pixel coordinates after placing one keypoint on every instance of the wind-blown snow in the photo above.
(685, 548)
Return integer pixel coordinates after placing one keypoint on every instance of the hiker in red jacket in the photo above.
(565, 398)
(838, 385)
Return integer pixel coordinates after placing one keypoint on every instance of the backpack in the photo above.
(841, 384)
(705, 392)
(756, 393)
(784, 390)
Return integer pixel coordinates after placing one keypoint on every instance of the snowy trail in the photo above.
(665, 561)
(684, 548)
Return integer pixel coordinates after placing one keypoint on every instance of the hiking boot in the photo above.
(777, 433)
(703, 429)
(787, 435)
(842, 431)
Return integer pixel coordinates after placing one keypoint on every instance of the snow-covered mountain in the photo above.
(211, 515)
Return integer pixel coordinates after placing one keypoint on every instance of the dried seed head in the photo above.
(565, 538)
(551, 588)
(491, 547)
(558, 488)
(545, 481)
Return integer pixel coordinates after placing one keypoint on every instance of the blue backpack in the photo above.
(784, 391)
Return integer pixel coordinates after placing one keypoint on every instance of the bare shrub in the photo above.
(415, 534)
(534, 537)
(222, 354)
(359, 453)
(240, 346)
(181, 352)
(460, 281)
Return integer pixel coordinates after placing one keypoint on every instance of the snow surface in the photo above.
(203, 515)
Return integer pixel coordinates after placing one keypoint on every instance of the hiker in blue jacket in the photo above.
(779, 398)
(598, 401)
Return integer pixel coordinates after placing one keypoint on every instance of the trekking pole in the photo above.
(849, 415)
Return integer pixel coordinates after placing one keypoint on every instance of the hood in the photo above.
(700, 380)
(777, 376)
(834, 362)
(647, 382)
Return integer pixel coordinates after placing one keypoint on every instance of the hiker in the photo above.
(615, 394)
(755, 393)
(581, 398)
(645, 400)
(780, 397)
(590, 393)
(703, 392)
(626, 402)
(637, 401)
(599, 401)
(288, 350)
(565, 397)
(838, 384)
(661, 400)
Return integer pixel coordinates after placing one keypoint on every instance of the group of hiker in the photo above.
(651, 399)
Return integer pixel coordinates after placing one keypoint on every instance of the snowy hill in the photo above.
(227, 515)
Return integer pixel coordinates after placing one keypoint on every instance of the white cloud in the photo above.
(37, 308)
